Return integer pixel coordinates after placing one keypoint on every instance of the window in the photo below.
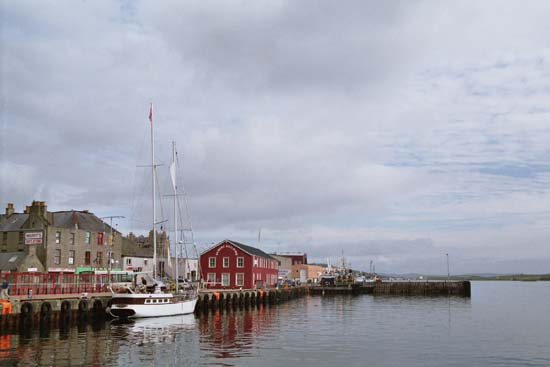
(71, 239)
(211, 262)
(100, 238)
(21, 238)
(225, 279)
(99, 258)
(225, 262)
(145, 262)
(211, 278)
(57, 238)
(87, 258)
(57, 256)
(128, 261)
(88, 238)
(71, 257)
(240, 262)
(239, 279)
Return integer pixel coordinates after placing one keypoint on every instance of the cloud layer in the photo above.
(396, 132)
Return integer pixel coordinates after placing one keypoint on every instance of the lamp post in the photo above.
(110, 244)
(448, 272)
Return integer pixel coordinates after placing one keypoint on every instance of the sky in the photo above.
(395, 132)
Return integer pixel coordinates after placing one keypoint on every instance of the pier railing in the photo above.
(34, 284)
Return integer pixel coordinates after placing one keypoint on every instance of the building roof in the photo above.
(13, 222)
(248, 249)
(85, 220)
(63, 219)
(11, 260)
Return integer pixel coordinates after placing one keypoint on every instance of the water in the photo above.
(503, 324)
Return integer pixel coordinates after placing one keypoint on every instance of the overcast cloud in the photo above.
(396, 131)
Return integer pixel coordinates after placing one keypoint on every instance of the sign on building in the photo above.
(33, 238)
(283, 273)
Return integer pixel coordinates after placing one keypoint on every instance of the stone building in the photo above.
(64, 241)
(20, 261)
(137, 253)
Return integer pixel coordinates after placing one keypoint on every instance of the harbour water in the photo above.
(502, 324)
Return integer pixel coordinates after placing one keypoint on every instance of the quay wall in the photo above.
(23, 312)
(211, 300)
(431, 288)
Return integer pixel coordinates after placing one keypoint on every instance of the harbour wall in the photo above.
(23, 312)
(53, 309)
(239, 299)
(423, 288)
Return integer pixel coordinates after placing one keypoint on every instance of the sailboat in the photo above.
(150, 298)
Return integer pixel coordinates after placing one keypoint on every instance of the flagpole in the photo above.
(153, 173)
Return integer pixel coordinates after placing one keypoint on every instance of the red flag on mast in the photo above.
(151, 113)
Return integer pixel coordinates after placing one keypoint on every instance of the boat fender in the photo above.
(45, 310)
(83, 306)
(65, 306)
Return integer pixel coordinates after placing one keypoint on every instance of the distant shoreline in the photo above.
(511, 277)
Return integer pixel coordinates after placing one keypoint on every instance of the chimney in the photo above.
(43, 210)
(75, 220)
(9, 210)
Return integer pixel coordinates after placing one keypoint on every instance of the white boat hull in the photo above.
(122, 309)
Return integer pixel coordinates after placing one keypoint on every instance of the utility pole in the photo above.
(110, 244)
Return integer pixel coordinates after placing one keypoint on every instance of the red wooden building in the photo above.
(231, 264)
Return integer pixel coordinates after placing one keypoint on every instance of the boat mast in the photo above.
(175, 187)
(153, 178)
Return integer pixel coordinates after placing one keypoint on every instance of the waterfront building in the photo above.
(231, 264)
(306, 273)
(188, 269)
(137, 254)
(285, 265)
(63, 241)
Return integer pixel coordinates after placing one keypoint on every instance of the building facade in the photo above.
(285, 266)
(64, 241)
(233, 265)
(306, 273)
(296, 258)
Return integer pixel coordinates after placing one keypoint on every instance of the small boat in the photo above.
(150, 298)
(374, 279)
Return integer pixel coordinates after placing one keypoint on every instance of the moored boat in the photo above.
(150, 299)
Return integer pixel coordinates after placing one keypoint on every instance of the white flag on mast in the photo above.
(173, 175)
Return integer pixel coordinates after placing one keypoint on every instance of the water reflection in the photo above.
(234, 334)
(501, 325)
